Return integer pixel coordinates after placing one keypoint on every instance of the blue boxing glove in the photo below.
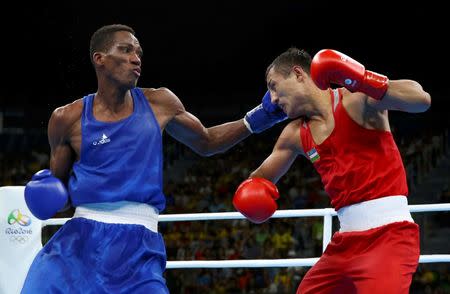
(264, 116)
(45, 194)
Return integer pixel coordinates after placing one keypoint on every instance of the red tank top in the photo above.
(356, 164)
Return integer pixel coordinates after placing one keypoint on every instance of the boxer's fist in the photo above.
(264, 116)
(45, 194)
(333, 67)
(255, 198)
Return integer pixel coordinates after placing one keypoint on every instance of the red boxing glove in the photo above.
(330, 66)
(255, 198)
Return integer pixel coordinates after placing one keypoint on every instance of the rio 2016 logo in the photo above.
(16, 216)
(18, 234)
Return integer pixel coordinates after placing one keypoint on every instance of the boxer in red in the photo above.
(345, 133)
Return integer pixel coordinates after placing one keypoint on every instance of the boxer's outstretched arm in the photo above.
(188, 129)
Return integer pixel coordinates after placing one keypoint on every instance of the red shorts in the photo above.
(380, 260)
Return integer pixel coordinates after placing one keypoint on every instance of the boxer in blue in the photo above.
(106, 148)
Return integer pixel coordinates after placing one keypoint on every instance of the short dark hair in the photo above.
(103, 38)
(291, 57)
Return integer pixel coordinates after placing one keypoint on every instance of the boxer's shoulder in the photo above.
(163, 98)
(162, 94)
(68, 114)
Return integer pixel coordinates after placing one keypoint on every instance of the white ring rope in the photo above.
(290, 262)
(326, 213)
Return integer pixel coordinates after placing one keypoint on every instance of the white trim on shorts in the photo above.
(121, 212)
(374, 213)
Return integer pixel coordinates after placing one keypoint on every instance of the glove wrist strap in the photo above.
(375, 85)
(247, 125)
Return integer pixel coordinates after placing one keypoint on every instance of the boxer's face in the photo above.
(122, 62)
(286, 92)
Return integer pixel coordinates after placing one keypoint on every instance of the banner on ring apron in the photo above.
(20, 238)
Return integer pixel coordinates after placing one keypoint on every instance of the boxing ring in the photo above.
(326, 213)
(20, 238)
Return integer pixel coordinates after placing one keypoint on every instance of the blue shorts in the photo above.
(87, 256)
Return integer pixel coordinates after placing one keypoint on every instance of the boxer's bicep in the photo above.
(187, 128)
(61, 153)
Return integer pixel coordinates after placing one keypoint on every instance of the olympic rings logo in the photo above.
(17, 217)
(18, 239)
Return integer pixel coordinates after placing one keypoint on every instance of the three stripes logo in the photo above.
(102, 141)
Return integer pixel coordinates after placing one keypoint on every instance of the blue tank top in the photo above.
(119, 160)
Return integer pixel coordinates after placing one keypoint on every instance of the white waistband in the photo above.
(374, 213)
(121, 212)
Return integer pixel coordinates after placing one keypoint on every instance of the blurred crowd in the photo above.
(208, 184)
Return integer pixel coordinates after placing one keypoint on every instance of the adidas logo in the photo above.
(102, 141)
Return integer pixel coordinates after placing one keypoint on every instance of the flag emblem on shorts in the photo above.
(313, 155)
